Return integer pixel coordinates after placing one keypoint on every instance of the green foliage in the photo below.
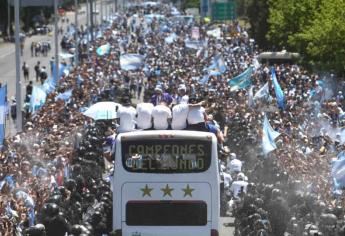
(324, 38)
(257, 12)
(190, 4)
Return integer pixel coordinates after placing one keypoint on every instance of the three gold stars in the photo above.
(167, 191)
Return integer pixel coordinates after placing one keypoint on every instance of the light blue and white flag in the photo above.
(170, 39)
(241, 81)
(278, 91)
(217, 67)
(214, 33)
(268, 137)
(64, 96)
(204, 80)
(48, 85)
(131, 61)
(3, 94)
(262, 93)
(38, 98)
(338, 172)
(104, 49)
(62, 69)
(193, 44)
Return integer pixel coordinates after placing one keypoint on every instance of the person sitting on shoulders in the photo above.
(160, 96)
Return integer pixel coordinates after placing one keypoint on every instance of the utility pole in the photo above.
(88, 29)
(56, 19)
(19, 121)
(91, 19)
(101, 4)
(8, 17)
(76, 53)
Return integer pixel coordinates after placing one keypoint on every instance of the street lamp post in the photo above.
(76, 54)
(56, 19)
(19, 122)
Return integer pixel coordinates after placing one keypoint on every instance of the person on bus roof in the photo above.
(161, 114)
(126, 115)
(159, 96)
(144, 115)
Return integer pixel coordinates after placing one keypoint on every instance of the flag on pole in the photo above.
(262, 93)
(3, 94)
(241, 81)
(268, 137)
(278, 91)
(217, 67)
(104, 49)
(64, 96)
(131, 61)
(38, 98)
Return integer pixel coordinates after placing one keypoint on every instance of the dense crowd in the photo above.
(52, 174)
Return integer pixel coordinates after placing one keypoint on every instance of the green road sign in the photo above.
(224, 11)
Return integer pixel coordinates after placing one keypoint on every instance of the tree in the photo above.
(257, 12)
(324, 38)
(288, 18)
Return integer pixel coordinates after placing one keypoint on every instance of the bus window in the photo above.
(166, 156)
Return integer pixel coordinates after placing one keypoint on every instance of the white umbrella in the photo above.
(103, 111)
(65, 55)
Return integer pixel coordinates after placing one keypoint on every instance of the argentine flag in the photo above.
(268, 137)
(38, 98)
(104, 49)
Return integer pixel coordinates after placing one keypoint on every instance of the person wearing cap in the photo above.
(126, 115)
(160, 96)
(182, 97)
(161, 114)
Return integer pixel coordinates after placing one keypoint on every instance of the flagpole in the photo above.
(19, 122)
(56, 19)
(91, 19)
(101, 14)
(76, 53)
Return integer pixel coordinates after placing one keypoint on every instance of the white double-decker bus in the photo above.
(166, 183)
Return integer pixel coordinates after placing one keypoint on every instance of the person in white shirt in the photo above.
(234, 165)
(239, 186)
(126, 115)
(182, 98)
(179, 116)
(144, 118)
(161, 115)
(196, 115)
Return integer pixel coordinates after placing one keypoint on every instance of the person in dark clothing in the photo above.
(37, 70)
(29, 88)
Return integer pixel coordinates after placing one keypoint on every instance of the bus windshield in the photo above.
(166, 155)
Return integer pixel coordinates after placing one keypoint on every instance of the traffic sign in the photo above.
(224, 10)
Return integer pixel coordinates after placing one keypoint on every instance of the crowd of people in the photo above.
(52, 174)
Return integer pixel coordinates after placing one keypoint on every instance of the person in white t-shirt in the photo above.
(161, 115)
(239, 186)
(196, 115)
(235, 165)
(144, 118)
(126, 115)
(179, 116)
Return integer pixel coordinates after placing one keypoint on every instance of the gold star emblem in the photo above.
(188, 191)
(167, 190)
(146, 191)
